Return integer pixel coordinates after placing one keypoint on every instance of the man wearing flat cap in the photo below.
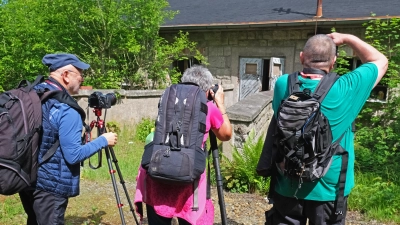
(58, 177)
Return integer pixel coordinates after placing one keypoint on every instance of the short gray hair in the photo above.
(199, 75)
(319, 52)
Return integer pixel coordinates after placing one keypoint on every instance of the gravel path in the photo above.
(96, 205)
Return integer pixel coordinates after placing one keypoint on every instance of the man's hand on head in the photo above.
(338, 38)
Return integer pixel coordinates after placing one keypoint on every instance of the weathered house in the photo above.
(250, 43)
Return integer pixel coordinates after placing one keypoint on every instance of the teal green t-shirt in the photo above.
(341, 106)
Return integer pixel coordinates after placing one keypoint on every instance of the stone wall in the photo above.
(253, 113)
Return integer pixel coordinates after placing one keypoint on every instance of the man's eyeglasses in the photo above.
(80, 74)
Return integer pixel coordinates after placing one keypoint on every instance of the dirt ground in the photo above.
(97, 205)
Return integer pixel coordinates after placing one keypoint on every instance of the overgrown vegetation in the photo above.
(143, 128)
(378, 131)
(119, 39)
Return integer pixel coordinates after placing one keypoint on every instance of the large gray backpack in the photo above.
(176, 154)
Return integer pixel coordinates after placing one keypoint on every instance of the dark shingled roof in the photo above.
(211, 13)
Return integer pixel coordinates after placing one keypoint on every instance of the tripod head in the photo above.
(99, 123)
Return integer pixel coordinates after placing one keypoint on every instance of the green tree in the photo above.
(119, 39)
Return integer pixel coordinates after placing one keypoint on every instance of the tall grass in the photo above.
(11, 210)
(377, 198)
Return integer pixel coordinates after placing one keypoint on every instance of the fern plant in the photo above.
(240, 173)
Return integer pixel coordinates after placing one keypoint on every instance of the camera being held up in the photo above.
(101, 101)
(214, 89)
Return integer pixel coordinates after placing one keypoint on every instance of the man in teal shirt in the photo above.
(315, 200)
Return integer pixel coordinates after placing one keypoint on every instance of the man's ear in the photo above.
(65, 76)
(333, 63)
(301, 57)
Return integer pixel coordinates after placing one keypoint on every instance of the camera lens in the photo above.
(111, 99)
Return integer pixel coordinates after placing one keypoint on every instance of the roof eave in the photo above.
(277, 23)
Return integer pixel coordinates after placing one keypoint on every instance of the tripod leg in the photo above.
(218, 176)
(114, 158)
(114, 183)
(220, 191)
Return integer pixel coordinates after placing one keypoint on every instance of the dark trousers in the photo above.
(43, 208)
(154, 219)
(293, 211)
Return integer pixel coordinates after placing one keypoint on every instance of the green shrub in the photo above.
(143, 128)
(240, 174)
(113, 127)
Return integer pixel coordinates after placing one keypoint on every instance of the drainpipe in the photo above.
(319, 9)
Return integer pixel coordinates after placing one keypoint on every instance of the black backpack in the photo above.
(304, 136)
(176, 155)
(20, 129)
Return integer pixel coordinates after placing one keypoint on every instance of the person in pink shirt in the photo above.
(163, 202)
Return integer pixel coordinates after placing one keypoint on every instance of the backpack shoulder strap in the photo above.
(324, 86)
(64, 98)
(28, 86)
(293, 82)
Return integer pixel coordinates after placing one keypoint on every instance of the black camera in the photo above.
(214, 89)
(99, 100)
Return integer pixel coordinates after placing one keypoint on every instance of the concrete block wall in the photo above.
(133, 104)
(251, 114)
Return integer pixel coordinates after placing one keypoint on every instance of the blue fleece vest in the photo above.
(55, 175)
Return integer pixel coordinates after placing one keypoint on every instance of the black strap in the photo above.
(53, 148)
(62, 97)
(28, 86)
(339, 204)
(293, 83)
(324, 86)
(50, 152)
(208, 196)
(314, 71)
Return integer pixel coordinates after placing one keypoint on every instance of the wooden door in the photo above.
(250, 76)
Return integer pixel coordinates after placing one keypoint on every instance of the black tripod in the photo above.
(111, 158)
(218, 176)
